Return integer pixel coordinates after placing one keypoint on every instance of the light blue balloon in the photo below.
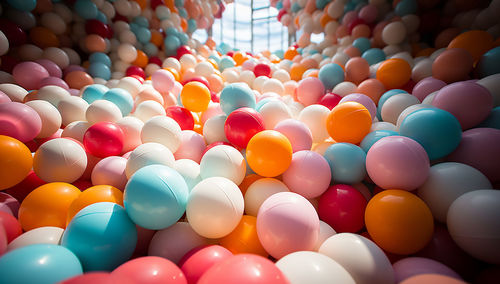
(406, 7)
(215, 58)
(171, 31)
(330, 75)
(39, 263)
(320, 4)
(172, 42)
(156, 197)
(101, 17)
(362, 43)
(374, 55)
(86, 9)
(100, 57)
(489, 63)
(182, 12)
(99, 70)
(437, 130)
(280, 53)
(224, 48)
(179, 3)
(23, 5)
(350, 6)
(295, 7)
(235, 96)
(226, 62)
(385, 96)
(374, 136)
(143, 35)
(192, 26)
(347, 163)
(94, 92)
(121, 98)
(141, 21)
(493, 120)
(183, 38)
(102, 236)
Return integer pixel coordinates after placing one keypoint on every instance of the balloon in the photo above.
(330, 75)
(16, 161)
(11, 226)
(104, 139)
(394, 73)
(269, 153)
(244, 238)
(110, 171)
(150, 269)
(476, 42)
(310, 90)
(94, 194)
(241, 125)
(460, 58)
(236, 95)
(197, 261)
(195, 96)
(41, 235)
(182, 116)
(411, 266)
(347, 163)
(348, 122)
(19, 121)
(163, 130)
(29, 74)
(223, 161)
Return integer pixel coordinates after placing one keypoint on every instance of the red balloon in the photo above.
(244, 269)
(97, 27)
(151, 269)
(82, 184)
(262, 69)
(8, 63)
(13, 32)
(156, 3)
(12, 227)
(104, 139)
(181, 50)
(197, 261)
(97, 278)
(214, 97)
(343, 208)
(135, 70)
(156, 60)
(241, 125)
(330, 100)
(182, 115)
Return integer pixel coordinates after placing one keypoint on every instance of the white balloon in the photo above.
(41, 235)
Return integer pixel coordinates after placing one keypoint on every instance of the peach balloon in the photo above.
(78, 79)
(373, 88)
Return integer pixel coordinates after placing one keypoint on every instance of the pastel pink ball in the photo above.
(192, 146)
(29, 74)
(411, 266)
(368, 13)
(297, 132)
(308, 175)
(469, 102)
(397, 162)
(310, 90)
(163, 81)
(19, 121)
(110, 171)
(53, 69)
(365, 100)
(426, 86)
(286, 223)
(4, 98)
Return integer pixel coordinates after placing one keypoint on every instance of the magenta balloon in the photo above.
(411, 266)
(397, 162)
(53, 69)
(426, 86)
(469, 102)
(54, 81)
(480, 148)
(365, 100)
(19, 121)
(29, 74)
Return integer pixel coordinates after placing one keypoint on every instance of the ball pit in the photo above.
(379, 123)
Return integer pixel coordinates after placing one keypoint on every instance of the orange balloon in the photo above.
(357, 69)
(296, 71)
(239, 57)
(394, 73)
(349, 122)
(425, 52)
(95, 43)
(78, 79)
(247, 181)
(174, 72)
(324, 19)
(15, 162)
(47, 205)
(198, 128)
(43, 37)
(156, 38)
(195, 96)
(210, 43)
(141, 60)
(290, 53)
(399, 222)
(184, 24)
(311, 73)
(94, 194)
(372, 88)
(244, 238)
(309, 63)
(269, 153)
(452, 65)
(476, 42)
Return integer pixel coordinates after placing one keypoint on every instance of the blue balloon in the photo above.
(437, 130)
(385, 96)
(101, 235)
(39, 263)
(330, 75)
(100, 57)
(143, 35)
(347, 162)
(182, 12)
(101, 17)
(172, 42)
(226, 62)
(374, 55)
(183, 38)
(374, 136)
(99, 70)
(216, 58)
(86, 9)
(235, 96)
(493, 120)
(320, 4)
(23, 5)
(94, 92)
(156, 197)
(121, 98)
(406, 7)
(171, 31)
(362, 43)
(295, 7)
(179, 3)
(141, 21)
(192, 26)
(489, 63)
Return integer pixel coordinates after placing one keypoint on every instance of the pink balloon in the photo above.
(163, 81)
(151, 269)
(411, 266)
(365, 100)
(192, 146)
(197, 261)
(469, 102)
(397, 162)
(426, 86)
(53, 69)
(286, 223)
(72, 68)
(8, 204)
(297, 132)
(248, 65)
(309, 174)
(4, 98)
(310, 90)
(19, 121)
(368, 13)
(480, 148)
(110, 171)
(29, 74)
(97, 277)
(55, 81)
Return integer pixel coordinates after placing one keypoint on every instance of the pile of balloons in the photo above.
(132, 153)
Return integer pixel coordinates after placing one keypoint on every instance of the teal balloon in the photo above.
(121, 98)
(225, 62)
(99, 70)
(330, 75)
(362, 43)
(493, 120)
(280, 53)
(172, 42)
(183, 38)
(350, 6)
(224, 48)
(171, 31)
(101, 235)
(39, 263)
(295, 7)
(94, 92)
(85, 9)
(101, 17)
(385, 96)
(143, 35)
(235, 96)
(100, 57)
(347, 162)
(150, 49)
(179, 3)
(182, 12)
(192, 26)
(374, 55)
(406, 7)
(141, 21)
(23, 5)
(489, 63)
(156, 197)
(320, 4)
(373, 137)
(437, 130)
(215, 58)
